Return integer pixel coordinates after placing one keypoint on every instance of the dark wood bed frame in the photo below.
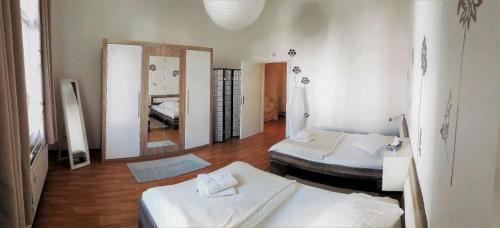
(167, 120)
(280, 164)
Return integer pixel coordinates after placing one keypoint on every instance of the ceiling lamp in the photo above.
(234, 14)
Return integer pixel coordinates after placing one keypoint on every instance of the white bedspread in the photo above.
(324, 143)
(306, 205)
(258, 194)
(342, 153)
(173, 105)
(172, 113)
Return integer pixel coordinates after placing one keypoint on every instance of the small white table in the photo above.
(395, 167)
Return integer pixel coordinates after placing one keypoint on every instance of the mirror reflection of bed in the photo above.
(163, 117)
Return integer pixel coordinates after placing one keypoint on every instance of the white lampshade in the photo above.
(234, 14)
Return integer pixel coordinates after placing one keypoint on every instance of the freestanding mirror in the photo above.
(78, 151)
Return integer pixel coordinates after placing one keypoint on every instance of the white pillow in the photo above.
(359, 210)
(303, 136)
(370, 143)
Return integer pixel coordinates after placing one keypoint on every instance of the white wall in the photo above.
(468, 201)
(353, 51)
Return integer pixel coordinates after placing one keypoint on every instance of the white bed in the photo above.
(167, 108)
(325, 149)
(296, 205)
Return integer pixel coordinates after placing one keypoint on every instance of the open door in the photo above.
(251, 100)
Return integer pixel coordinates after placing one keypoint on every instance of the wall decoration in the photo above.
(298, 105)
(305, 80)
(423, 65)
(423, 56)
(152, 67)
(175, 73)
(467, 13)
(445, 126)
(296, 70)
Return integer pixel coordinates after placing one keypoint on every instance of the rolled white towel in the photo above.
(303, 136)
(208, 184)
(225, 192)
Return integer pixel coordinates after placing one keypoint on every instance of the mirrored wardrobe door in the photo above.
(163, 131)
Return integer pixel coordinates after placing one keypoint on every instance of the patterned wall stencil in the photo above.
(467, 13)
(423, 56)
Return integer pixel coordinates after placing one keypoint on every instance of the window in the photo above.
(32, 45)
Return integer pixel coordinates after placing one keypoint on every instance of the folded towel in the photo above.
(303, 136)
(208, 184)
(226, 192)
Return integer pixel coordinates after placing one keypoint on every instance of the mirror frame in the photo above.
(68, 137)
(161, 51)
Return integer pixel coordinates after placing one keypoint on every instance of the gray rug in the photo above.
(160, 144)
(166, 167)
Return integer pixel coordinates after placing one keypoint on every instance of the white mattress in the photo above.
(172, 113)
(299, 210)
(344, 154)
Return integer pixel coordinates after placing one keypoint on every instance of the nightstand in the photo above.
(395, 167)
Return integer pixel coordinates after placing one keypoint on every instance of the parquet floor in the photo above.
(106, 194)
(156, 135)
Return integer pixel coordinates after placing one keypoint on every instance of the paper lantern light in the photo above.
(234, 14)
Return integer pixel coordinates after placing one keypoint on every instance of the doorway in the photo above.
(274, 92)
(263, 93)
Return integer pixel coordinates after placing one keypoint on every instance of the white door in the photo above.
(122, 101)
(251, 100)
(197, 121)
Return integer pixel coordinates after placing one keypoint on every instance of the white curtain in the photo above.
(298, 109)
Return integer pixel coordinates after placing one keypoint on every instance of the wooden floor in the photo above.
(155, 135)
(106, 194)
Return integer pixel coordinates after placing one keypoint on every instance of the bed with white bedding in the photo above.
(165, 108)
(263, 200)
(332, 153)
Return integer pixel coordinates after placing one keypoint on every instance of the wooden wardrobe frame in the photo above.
(154, 49)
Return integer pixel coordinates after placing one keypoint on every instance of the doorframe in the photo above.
(263, 78)
(264, 88)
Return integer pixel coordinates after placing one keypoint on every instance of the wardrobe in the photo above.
(227, 103)
(127, 102)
